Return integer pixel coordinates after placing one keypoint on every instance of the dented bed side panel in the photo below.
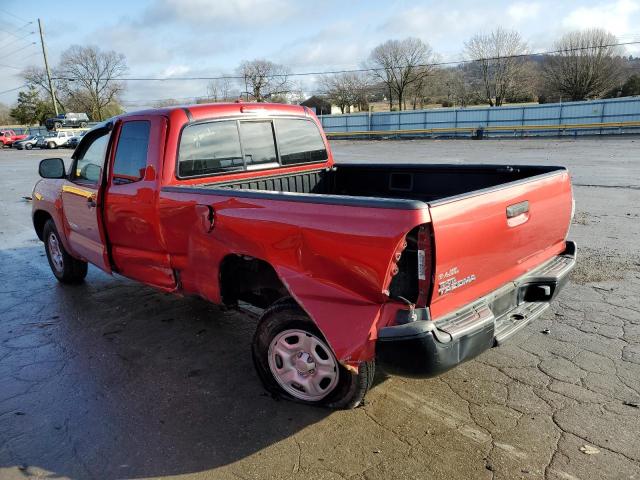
(336, 261)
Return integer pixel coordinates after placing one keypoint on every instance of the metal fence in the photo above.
(38, 130)
(611, 116)
(20, 130)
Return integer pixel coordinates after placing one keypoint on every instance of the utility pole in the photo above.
(46, 66)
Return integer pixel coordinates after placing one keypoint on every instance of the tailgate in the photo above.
(488, 238)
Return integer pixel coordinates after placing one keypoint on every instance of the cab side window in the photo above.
(91, 160)
(131, 154)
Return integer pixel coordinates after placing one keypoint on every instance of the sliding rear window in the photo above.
(210, 148)
(238, 145)
(299, 141)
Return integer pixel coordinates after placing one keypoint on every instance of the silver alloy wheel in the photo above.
(55, 253)
(303, 365)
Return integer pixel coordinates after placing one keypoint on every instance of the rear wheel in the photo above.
(28, 146)
(83, 125)
(65, 268)
(51, 145)
(57, 125)
(294, 361)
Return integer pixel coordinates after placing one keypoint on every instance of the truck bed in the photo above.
(490, 223)
(431, 184)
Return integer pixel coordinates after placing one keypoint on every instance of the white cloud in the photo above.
(175, 70)
(616, 17)
(224, 14)
(443, 26)
(519, 12)
(337, 45)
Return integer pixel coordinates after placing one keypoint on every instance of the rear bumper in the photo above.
(426, 348)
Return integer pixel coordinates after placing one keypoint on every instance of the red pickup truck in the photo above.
(8, 137)
(415, 267)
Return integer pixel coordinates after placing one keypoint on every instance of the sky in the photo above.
(176, 38)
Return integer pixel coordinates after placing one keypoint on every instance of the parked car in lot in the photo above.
(54, 139)
(73, 141)
(415, 267)
(8, 137)
(67, 120)
(27, 143)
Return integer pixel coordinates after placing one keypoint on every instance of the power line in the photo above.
(13, 89)
(17, 30)
(17, 39)
(370, 69)
(15, 16)
(19, 50)
(22, 59)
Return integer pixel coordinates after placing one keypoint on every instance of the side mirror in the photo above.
(52, 168)
(91, 172)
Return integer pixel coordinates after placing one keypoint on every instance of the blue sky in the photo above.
(165, 38)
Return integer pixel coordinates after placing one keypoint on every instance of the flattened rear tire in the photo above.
(306, 369)
(65, 268)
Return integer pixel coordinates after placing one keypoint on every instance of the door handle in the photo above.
(517, 209)
(518, 213)
(91, 201)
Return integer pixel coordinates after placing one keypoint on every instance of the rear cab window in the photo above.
(223, 146)
(130, 162)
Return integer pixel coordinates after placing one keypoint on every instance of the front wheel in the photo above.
(66, 268)
(294, 361)
(28, 146)
(51, 145)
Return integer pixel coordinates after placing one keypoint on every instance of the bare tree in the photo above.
(5, 115)
(338, 91)
(264, 79)
(219, 90)
(400, 64)
(347, 89)
(92, 77)
(167, 102)
(37, 77)
(499, 57)
(587, 65)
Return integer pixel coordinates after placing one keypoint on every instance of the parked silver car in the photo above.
(27, 143)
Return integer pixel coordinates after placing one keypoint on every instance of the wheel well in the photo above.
(40, 217)
(251, 280)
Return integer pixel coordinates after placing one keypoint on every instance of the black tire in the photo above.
(51, 145)
(286, 314)
(83, 125)
(66, 268)
(28, 146)
(57, 125)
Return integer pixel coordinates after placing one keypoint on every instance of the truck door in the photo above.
(131, 208)
(81, 198)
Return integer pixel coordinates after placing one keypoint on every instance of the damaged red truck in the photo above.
(414, 267)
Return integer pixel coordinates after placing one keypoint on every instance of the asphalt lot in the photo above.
(111, 379)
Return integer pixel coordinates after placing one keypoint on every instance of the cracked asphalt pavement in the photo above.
(111, 379)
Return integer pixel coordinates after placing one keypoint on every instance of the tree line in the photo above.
(498, 67)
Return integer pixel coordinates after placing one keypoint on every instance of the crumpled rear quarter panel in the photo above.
(335, 260)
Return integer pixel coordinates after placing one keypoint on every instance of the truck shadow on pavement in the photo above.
(111, 379)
